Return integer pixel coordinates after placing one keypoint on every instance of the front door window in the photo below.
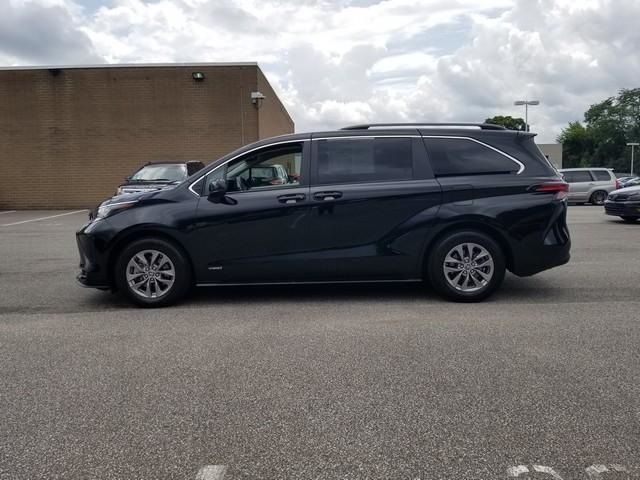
(275, 167)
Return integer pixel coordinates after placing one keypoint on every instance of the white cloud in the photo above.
(349, 61)
(45, 32)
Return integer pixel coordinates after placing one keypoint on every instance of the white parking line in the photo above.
(212, 472)
(594, 471)
(7, 211)
(517, 470)
(42, 218)
(520, 469)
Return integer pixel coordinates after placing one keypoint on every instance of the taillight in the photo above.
(560, 189)
(617, 184)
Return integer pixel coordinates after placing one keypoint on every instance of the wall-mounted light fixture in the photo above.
(257, 99)
(198, 76)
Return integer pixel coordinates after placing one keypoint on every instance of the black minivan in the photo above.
(454, 205)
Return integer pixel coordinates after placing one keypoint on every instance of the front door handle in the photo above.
(292, 198)
(327, 196)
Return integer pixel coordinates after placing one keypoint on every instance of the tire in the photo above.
(598, 197)
(629, 219)
(459, 245)
(161, 259)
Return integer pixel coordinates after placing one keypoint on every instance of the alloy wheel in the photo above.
(468, 267)
(150, 274)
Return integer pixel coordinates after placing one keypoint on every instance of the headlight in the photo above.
(107, 210)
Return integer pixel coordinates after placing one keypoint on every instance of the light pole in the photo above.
(632, 145)
(526, 104)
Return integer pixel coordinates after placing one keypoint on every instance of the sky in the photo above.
(340, 62)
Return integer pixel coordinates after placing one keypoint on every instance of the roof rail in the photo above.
(482, 126)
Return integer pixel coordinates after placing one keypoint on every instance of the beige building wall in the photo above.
(68, 136)
(554, 150)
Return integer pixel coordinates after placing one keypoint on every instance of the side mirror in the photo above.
(217, 190)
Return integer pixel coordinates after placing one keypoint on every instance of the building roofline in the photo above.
(130, 65)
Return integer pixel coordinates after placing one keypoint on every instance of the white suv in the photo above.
(590, 185)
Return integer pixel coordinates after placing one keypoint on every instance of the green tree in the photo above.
(577, 145)
(507, 121)
(602, 140)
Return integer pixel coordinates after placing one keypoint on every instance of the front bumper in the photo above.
(622, 209)
(94, 271)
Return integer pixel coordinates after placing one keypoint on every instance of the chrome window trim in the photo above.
(518, 162)
(238, 156)
(364, 137)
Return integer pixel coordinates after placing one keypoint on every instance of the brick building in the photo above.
(69, 135)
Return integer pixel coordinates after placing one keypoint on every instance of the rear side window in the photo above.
(364, 160)
(577, 176)
(459, 156)
(601, 175)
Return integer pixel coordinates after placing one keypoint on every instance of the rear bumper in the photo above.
(622, 209)
(541, 259)
(537, 253)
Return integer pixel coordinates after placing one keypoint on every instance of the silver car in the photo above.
(589, 185)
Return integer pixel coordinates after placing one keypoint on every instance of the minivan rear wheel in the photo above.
(152, 273)
(598, 198)
(466, 266)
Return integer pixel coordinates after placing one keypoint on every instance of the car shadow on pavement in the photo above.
(252, 294)
(514, 290)
(622, 222)
(270, 294)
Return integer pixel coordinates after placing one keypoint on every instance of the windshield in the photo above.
(170, 172)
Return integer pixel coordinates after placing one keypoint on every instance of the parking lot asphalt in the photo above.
(320, 382)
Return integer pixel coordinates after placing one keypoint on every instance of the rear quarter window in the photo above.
(460, 156)
(602, 175)
(577, 176)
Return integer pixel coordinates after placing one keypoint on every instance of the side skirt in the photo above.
(327, 282)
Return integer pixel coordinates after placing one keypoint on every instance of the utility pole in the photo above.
(526, 104)
(632, 145)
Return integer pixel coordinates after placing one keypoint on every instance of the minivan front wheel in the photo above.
(152, 273)
(466, 266)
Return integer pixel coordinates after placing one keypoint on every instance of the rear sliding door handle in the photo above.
(292, 198)
(327, 196)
